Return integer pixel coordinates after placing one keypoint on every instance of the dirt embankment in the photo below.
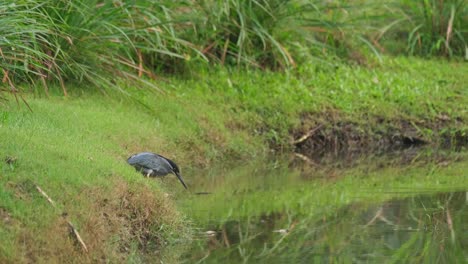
(113, 225)
(329, 133)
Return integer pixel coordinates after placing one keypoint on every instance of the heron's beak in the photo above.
(180, 179)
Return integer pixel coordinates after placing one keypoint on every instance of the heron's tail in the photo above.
(180, 179)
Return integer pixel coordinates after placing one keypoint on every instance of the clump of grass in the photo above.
(85, 40)
(239, 31)
(431, 28)
(274, 34)
(63, 42)
(439, 27)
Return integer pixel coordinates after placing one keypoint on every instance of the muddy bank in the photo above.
(328, 133)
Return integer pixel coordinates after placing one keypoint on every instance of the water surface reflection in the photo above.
(366, 212)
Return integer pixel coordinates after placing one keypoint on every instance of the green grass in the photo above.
(76, 152)
(50, 42)
(434, 27)
(271, 104)
(63, 42)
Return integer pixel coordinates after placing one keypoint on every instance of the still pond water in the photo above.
(407, 207)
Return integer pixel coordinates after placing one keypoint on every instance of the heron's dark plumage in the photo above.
(154, 165)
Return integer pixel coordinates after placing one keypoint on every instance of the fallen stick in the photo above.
(46, 196)
(307, 135)
(77, 236)
(305, 158)
(377, 215)
(72, 227)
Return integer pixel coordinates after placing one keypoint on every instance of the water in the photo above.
(409, 207)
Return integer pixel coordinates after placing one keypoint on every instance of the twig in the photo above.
(307, 135)
(377, 215)
(305, 158)
(62, 83)
(450, 226)
(77, 236)
(72, 227)
(225, 238)
(46, 196)
(449, 29)
(205, 50)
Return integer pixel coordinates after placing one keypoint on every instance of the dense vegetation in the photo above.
(90, 40)
(203, 81)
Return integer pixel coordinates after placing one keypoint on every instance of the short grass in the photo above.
(271, 104)
(75, 147)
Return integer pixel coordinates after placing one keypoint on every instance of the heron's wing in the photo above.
(151, 161)
(157, 163)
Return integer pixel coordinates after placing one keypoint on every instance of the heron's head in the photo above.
(175, 168)
(176, 171)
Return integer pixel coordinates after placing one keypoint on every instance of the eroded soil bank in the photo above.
(331, 134)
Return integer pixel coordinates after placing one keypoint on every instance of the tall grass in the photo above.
(241, 31)
(63, 41)
(88, 40)
(430, 27)
(439, 27)
(84, 40)
(273, 34)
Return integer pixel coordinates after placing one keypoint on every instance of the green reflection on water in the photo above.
(392, 209)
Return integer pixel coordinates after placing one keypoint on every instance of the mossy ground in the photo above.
(75, 147)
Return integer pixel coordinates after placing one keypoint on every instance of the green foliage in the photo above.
(88, 40)
(275, 34)
(84, 40)
(65, 41)
(431, 28)
(244, 31)
(439, 27)
(272, 103)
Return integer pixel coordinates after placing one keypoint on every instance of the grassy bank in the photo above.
(74, 148)
(380, 104)
(75, 151)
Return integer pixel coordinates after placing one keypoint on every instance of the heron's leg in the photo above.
(148, 173)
